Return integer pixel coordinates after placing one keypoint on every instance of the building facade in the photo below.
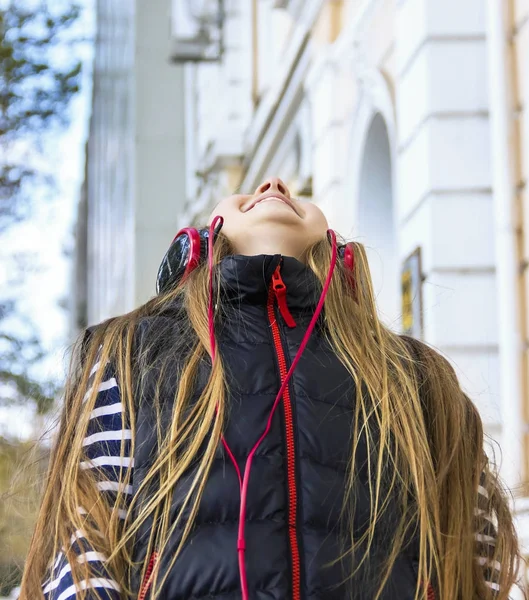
(135, 176)
(395, 117)
(404, 120)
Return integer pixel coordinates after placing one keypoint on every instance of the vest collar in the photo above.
(246, 279)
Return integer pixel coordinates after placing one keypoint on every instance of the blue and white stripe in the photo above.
(102, 448)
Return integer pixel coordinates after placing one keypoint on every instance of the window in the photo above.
(196, 27)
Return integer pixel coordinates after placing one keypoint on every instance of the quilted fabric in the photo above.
(320, 413)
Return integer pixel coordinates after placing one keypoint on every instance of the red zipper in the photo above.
(278, 289)
(147, 580)
(431, 592)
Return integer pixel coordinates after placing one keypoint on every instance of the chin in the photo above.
(277, 215)
(275, 224)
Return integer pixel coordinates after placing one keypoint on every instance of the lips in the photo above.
(277, 196)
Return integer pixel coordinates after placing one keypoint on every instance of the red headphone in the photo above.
(189, 248)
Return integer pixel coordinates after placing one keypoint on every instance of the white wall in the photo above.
(159, 150)
(109, 163)
(136, 155)
(444, 190)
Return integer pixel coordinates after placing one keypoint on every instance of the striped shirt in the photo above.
(106, 430)
(102, 449)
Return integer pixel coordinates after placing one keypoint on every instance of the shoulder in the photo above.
(417, 347)
(162, 334)
(427, 361)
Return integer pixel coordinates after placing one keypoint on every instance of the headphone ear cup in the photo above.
(349, 257)
(347, 254)
(188, 249)
(180, 259)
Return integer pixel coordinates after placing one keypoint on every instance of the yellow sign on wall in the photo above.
(411, 285)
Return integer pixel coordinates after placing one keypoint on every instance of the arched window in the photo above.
(376, 226)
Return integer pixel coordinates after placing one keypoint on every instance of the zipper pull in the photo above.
(280, 291)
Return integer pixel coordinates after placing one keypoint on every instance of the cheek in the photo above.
(233, 226)
(229, 213)
(316, 222)
(228, 208)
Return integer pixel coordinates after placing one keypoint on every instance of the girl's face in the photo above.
(270, 221)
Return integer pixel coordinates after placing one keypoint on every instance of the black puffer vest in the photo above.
(299, 473)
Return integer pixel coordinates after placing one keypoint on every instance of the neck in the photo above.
(245, 279)
(275, 243)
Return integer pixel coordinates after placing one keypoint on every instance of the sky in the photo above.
(46, 235)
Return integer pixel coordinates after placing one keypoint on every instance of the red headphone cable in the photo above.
(244, 480)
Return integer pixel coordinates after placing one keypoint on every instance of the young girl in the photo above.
(255, 432)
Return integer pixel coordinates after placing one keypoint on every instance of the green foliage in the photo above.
(39, 75)
(37, 83)
(22, 471)
(18, 354)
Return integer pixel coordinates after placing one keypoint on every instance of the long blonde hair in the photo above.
(408, 406)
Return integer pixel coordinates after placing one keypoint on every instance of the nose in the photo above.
(273, 184)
